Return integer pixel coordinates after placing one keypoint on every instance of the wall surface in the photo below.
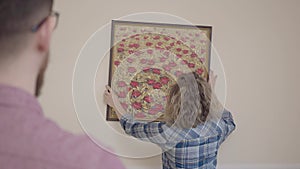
(258, 42)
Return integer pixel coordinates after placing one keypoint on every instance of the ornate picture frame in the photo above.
(146, 58)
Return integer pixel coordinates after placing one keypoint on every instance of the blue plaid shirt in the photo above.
(195, 148)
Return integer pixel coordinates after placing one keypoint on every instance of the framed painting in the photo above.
(146, 59)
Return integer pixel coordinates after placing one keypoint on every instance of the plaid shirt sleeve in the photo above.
(226, 125)
(146, 131)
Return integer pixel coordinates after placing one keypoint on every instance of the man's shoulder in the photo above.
(43, 141)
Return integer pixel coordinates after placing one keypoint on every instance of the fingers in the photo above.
(108, 88)
(106, 95)
(107, 92)
(215, 77)
(212, 75)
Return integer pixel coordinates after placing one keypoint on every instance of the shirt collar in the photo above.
(16, 97)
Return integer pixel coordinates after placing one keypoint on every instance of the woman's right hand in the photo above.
(212, 79)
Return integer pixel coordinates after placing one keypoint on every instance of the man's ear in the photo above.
(44, 36)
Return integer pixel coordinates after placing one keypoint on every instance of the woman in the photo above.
(195, 124)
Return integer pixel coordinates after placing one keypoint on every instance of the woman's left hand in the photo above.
(110, 97)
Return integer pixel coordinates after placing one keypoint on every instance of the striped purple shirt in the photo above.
(28, 140)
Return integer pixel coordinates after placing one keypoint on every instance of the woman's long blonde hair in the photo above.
(191, 102)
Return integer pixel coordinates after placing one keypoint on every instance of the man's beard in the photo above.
(40, 77)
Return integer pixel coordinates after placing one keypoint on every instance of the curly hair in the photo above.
(187, 108)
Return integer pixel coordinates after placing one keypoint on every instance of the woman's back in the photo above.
(184, 148)
(200, 146)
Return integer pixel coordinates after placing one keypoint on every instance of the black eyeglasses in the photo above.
(53, 14)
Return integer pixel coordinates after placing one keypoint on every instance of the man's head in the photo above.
(26, 27)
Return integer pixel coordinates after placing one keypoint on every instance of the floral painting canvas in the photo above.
(146, 59)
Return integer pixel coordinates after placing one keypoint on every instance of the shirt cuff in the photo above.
(125, 118)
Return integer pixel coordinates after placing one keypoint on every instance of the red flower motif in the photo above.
(185, 51)
(130, 60)
(136, 45)
(172, 64)
(193, 55)
(153, 111)
(168, 47)
(164, 80)
(137, 105)
(191, 65)
(202, 60)
(151, 62)
(159, 48)
(136, 93)
(147, 70)
(121, 84)
(203, 51)
(146, 37)
(167, 67)
(147, 99)
(117, 63)
(156, 37)
(134, 83)
(157, 85)
(159, 107)
(166, 38)
(167, 53)
(179, 55)
(150, 51)
(149, 44)
(156, 71)
(121, 44)
(130, 51)
(150, 81)
(131, 70)
(138, 53)
(178, 49)
(122, 94)
(120, 50)
(172, 44)
(200, 71)
(143, 61)
(179, 42)
(184, 62)
(159, 43)
(162, 59)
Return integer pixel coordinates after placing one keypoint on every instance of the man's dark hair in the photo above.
(18, 16)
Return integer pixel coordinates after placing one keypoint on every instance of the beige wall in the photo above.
(258, 42)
